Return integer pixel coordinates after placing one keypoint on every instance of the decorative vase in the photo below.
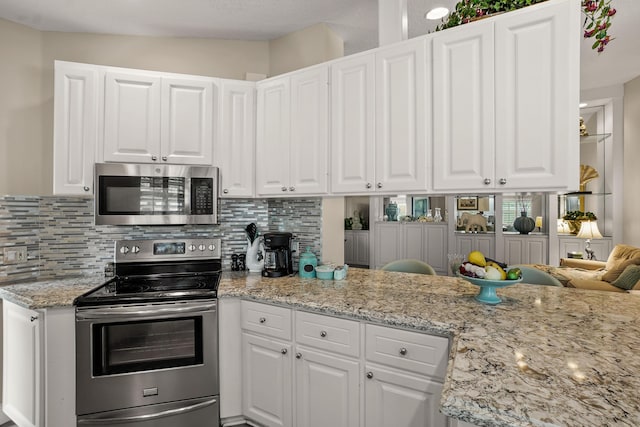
(392, 211)
(524, 224)
(437, 217)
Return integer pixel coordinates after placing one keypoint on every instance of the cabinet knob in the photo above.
(34, 318)
(403, 351)
(323, 334)
(379, 185)
(292, 188)
(368, 185)
(298, 355)
(225, 191)
(154, 158)
(85, 188)
(284, 188)
(369, 374)
(164, 158)
(502, 181)
(283, 351)
(487, 181)
(262, 320)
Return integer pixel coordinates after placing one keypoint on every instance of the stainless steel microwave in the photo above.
(148, 194)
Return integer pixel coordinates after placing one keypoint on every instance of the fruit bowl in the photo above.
(487, 294)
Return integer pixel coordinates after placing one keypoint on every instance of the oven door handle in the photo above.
(111, 312)
(147, 417)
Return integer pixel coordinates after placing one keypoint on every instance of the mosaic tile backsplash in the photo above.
(62, 240)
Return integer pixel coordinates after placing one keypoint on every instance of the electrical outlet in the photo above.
(295, 247)
(15, 255)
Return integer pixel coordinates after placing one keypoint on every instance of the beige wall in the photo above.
(21, 111)
(631, 202)
(303, 48)
(333, 230)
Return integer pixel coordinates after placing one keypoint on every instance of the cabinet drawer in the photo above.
(328, 333)
(266, 319)
(413, 351)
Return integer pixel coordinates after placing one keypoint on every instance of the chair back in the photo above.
(533, 276)
(409, 266)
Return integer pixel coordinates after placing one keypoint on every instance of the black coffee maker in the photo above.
(277, 254)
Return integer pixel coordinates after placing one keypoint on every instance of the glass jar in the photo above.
(437, 217)
(429, 216)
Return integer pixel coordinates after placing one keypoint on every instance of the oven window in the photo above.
(146, 345)
(142, 195)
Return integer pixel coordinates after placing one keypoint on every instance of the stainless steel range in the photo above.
(147, 340)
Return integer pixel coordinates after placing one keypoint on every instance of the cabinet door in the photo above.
(395, 398)
(75, 123)
(186, 120)
(466, 243)
(435, 247)
(413, 239)
(514, 250)
(22, 379)
(267, 381)
(537, 61)
(362, 248)
(327, 390)
(272, 140)
(309, 131)
(353, 124)
(463, 87)
(388, 240)
(234, 148)
(349, 247)
(536, 251)
(402, 117)
(132, 118)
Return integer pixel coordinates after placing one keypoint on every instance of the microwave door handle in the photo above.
(111, 312)
(146, 417)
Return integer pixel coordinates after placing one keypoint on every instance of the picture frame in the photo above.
(467, 203)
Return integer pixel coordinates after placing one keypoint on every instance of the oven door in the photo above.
(129, 356)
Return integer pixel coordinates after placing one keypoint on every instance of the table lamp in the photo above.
(589, 230)
(539, 223)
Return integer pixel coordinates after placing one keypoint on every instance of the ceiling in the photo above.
(356, 21)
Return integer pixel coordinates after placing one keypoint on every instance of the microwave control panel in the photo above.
(201, 196)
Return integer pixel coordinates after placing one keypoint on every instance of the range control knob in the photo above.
(202, 247)
(135, 249)
(212, 247)
(124, 250)
(192, 247)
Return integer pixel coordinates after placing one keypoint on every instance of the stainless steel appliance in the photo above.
(147, 339)
(155, 194)
(277, 255)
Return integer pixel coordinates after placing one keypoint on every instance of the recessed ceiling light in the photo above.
(437, 13)
(582, 104)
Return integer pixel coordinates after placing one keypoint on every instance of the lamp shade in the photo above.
(589, 230)
(539, 221)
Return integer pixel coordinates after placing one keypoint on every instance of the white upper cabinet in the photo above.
(150, 118)
(75, 134)
(537, 96)
(292, 134)
(463, 113)
(187, 120)
(234, 148)
(353, 124)
(402, 117)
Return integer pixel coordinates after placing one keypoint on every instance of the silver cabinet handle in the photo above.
(369, 374)
(262, 320)
(164, 158)
(323, 334)
(298, 355)
(292, 188)
(487, 181)
(85, 188)
(225, 191)
(403, 351)
(283, 351)
(379, 185)
(502, 181)
(284, 188)
(154, 158)
(368, 185)
(34, 318)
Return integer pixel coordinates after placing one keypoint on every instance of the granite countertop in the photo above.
(50, 293)
(546, 356)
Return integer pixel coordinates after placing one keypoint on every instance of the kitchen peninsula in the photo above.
(545, 356)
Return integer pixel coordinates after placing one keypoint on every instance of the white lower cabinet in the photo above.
(525, 250)
(356, 247)
(38, 391)
(485, 243)
(325, 374)
(396, 398)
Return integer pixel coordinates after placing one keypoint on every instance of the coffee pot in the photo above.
(277, 254)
